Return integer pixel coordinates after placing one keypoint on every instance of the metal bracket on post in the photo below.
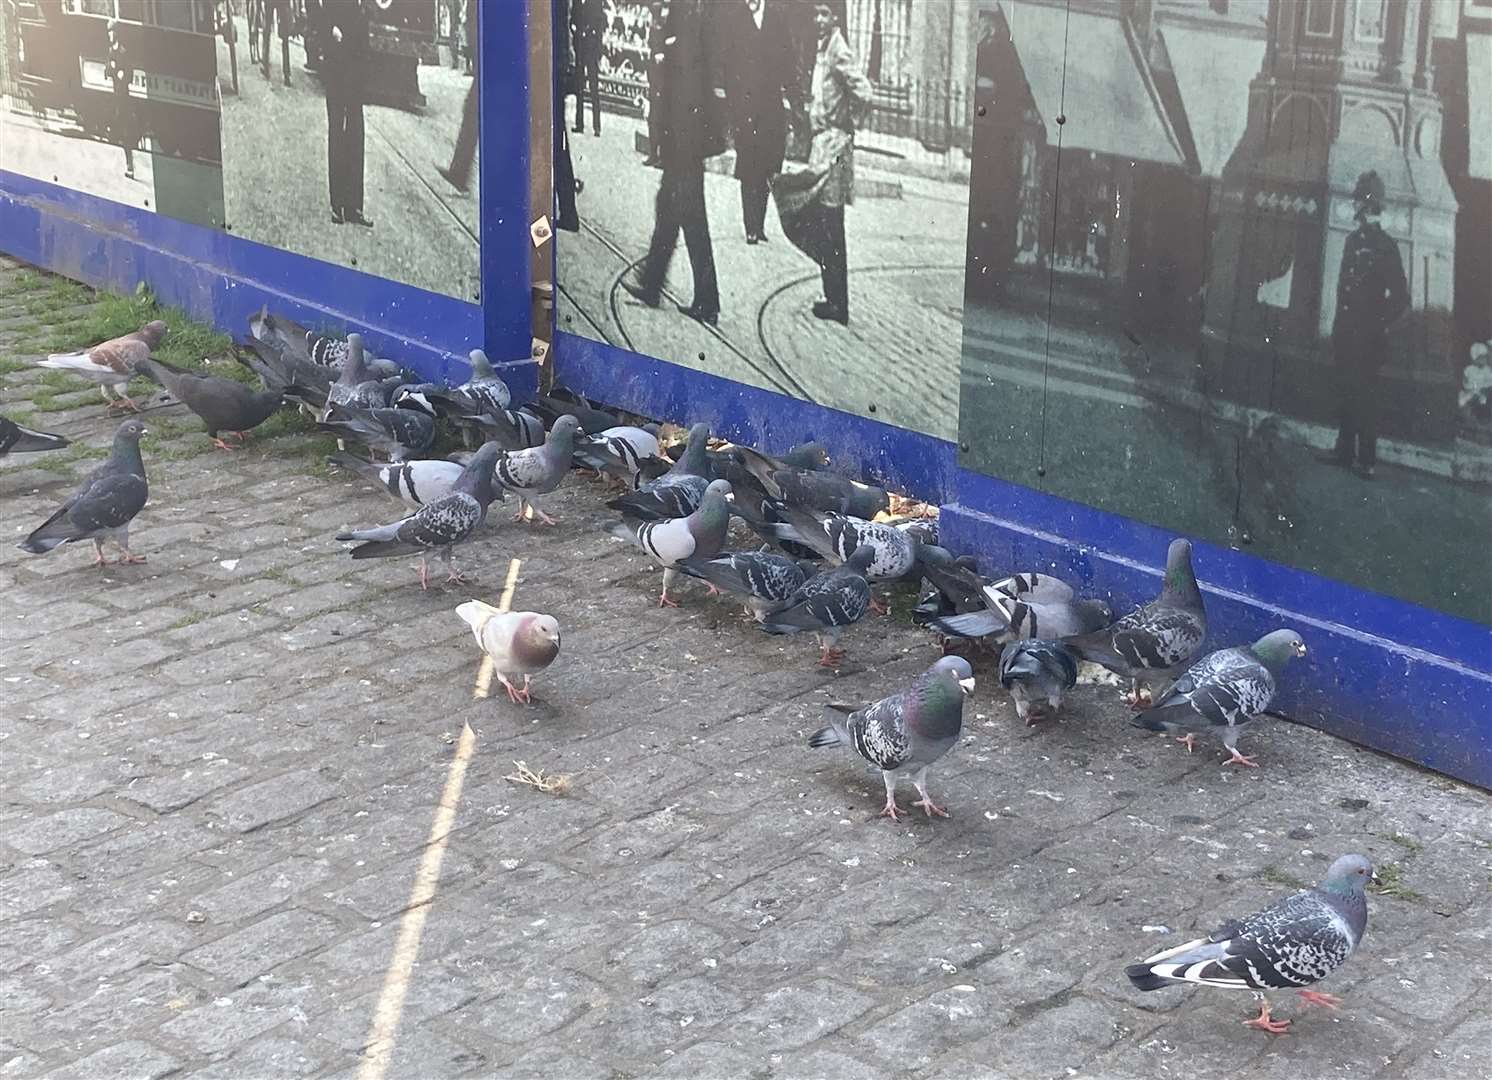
(541, 185)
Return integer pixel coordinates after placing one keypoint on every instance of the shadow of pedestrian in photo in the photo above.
(689, 131)
(588, 26)
(344, 70)
(458, 172)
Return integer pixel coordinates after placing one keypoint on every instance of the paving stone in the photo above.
(262, 946)
(174, 788)
(250, 894)
(795, 1014)
(132, 1060)
(64, 828)
(272, 800)
(156, 941)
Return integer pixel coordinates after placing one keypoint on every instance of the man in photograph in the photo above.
(458, 172)
(278, 13)
(589, 24)
(689, 131)
(1372, 297)
(344, 69)
(840, 97)
(758, 88)
(120, 72)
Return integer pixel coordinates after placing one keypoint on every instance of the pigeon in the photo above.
(1155, 641)
(223, 405)
(953, 584)
(811, 488)
(908, 731)
(111, 363)
(519, 642)
(809, 455)
(323, 350)
(103, 505)
(15, 439)
(401, 434)
(619, 452)
(1290, 945)
(512, 429)
(836, 536)
(826, 603)
(1225, 689)
(701, 535)
(1026, 606)
(562, 402)
(413, 482)
(1037, 673)
(539, 470)
(764, 578)
(484, 394)
(356, 386)
(439, 524)
(922, 529)
(675, 494)
(301, 380)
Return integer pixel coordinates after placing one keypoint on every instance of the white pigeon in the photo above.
(519, 642)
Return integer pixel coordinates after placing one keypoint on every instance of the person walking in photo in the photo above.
(589, 24)
(758, 87)
(1372, 297)
(120, 71)
(840, 97)
(278, 13)
(344, 68)
(689, 131)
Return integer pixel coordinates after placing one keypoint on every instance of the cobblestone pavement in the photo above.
(898, 360)
(221, 768)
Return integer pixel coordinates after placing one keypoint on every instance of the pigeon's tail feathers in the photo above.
(1142, 978)
(834, 733)
(30, 441)
(64, 361)
(973, 624)
(475, 613)
(1151, 720)
(1201, 962)
(381, 534)
(382, 549)
(53, 532)
(721, 574)
(353, 463)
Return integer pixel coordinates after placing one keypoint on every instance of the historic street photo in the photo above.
(775, 191)
(1243, 237)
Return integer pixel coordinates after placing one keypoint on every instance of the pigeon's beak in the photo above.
(1300, 649)
(1374, 878)
(967, 685)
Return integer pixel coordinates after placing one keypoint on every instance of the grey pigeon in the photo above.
(1153, 642)
(518, 642)
(539, 469)
(1037, 674)
(619, 452)
(399, 434)
(1225, 689)
(955, 583)
(672, 540)
(836, 536)
(111, 363)
(908, 731)
(812, 489)
(764, 578)
(1026, 606)
(414, 482)
(563, 402)
(439, 525)
(223, 405)
(512, 429)
(1290, 945)
(103, 505)
(826, 603)
(677, 493)
(15, 439)
(483, 394)
(298, 378)
(357, 386)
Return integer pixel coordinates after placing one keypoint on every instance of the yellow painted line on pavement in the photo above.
(380, 1045)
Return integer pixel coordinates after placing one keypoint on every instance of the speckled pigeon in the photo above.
(908, 731)
(677, 492)
(103, 505)
(399, 434)
(1290, 945)
(952, 584)
(1154, 642)
(670, 541)
(414, 482)
(826, 603)
(811, 488)
(322, 350)
(484, 394)
(1026, 606)
(764, 578)
(438, 525)
(111, 363)
(512, 429)
(298, 378)
(539, 470)
(223, 405)
(836, 536)
(619, 452)
(519, 642)
(1224, 690)
(1037, 673)
(357, 387)
(15, 439)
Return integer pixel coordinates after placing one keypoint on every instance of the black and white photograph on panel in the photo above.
(115, 98)
(775, 191)
(350, 132)
(1249, 242)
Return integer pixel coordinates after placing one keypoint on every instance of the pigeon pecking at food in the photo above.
(764, 578)
(111, 363)
(539, 469)
(1154, 642)
(519, 642)
(908, 731)
(619, 452)
(826, 603)
(672, 540)
(677, 493)
(439, 525)
(398, 434)
(1026, 606)
(1224, 690)
(1290, 945)
(103, 505)
(15, 439)
(223, 405)
(414, 482)
(1037, 674)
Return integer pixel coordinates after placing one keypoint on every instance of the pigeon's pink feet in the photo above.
(878, 607)
(1242, 759)
(1188, 740)
(455, 577)
(831, 658)
(99, 560)
(221, 445)
(123, 403)
(131, 559)
(517, 695)
(1262, 1022)
(664, 601)
(545, 518)
(1315, 997)
(713, 590)
(930, 808)
(424, 575)
(890, 810)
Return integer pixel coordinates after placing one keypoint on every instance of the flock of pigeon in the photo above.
(826, 541)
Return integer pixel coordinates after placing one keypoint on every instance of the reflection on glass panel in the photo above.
(1207, 308)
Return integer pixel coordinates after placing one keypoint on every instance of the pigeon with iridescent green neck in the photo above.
(1223, 691)
(669, 542)
(1290, 945)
